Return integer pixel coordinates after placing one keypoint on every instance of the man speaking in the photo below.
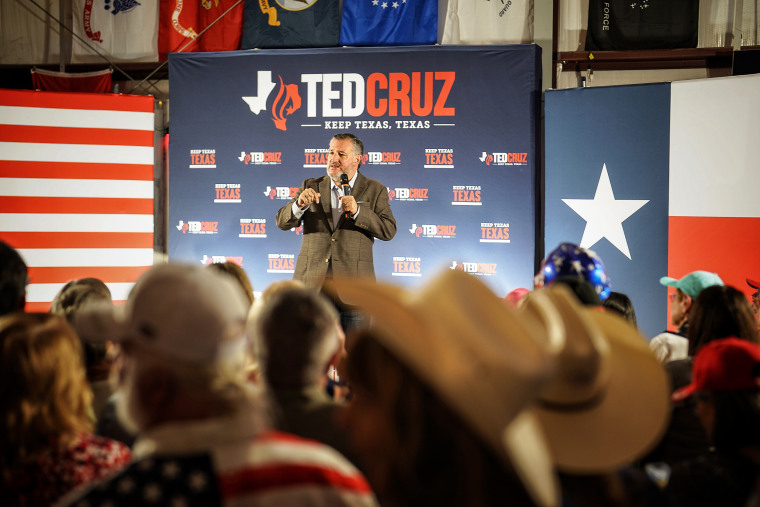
(340, 220)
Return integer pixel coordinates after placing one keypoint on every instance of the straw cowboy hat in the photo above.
(609, 402)
(477, 355)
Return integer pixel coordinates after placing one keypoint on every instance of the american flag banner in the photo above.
(76, 188)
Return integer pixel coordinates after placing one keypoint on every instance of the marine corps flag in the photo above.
(181, 22)
(291, 24)
(617, 25)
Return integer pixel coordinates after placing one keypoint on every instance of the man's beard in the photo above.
(336, 177)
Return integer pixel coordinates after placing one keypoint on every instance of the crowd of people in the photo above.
(194, 393)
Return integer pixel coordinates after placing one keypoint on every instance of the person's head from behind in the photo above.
(622, 305)
(437, 390)
(578, 268)
(411, 442)
(720, 311)
(13, 280)
(239, 274)
(183, 346)
(43, 391)
(296, 330)
(70, 300)
(726, 386)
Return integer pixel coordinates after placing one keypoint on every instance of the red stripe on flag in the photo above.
(76, 205)
(726, 246)
(86, 101)
(51, 239)
(75, 170)
(63, 274)
(70, 135)
(258, 479)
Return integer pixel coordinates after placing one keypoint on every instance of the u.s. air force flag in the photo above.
(659, 180)
(616, 25)
(389, 22)
(291, 24)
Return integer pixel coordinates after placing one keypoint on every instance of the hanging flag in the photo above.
(181, 22)
(27, 34)
(389, 22)
(98, 81)
(122, 30)
(490, 22)
(76, 188)
(618, 25)
(291, 24)
(656, 186)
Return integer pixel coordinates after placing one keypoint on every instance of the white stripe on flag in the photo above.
(74, 222)
(50, 152)
(78, 118)
(49, 187)
(86, 257)
(44, 292)
(713, 168)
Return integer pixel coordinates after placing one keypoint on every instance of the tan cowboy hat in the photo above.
(477, 355)
(609, 403)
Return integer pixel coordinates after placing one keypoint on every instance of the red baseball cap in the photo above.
(728, 364)
(754, 284)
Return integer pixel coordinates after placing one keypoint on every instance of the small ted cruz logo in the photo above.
(475, 268)
(221, 259)
(502, 158)
(434, 231)
(260, 157)
(408, 194)
(198, 227)
(281, 193)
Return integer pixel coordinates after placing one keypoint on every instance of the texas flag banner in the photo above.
(291, 24)
(506, 22)
(389, 23)
(76, 188)
(659, 180)
(181, 24)
(123, 30)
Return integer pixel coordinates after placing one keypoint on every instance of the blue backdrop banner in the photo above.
(451, 131)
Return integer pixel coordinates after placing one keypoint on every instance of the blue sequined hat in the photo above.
(570, 260)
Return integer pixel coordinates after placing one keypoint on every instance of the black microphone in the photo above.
(346, 188)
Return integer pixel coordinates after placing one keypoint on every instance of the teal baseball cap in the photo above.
(693, 283)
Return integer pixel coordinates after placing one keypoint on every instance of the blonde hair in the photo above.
(44, 393)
